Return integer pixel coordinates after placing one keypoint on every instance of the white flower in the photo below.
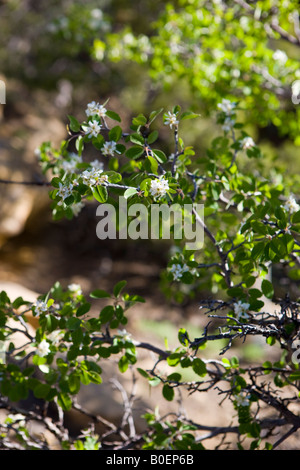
(226, 106)
(93, 129)
(40, 307)
(70, 165)
(159, 187)
(228, 124)
(109, 148)
(242, 399)
(291, 205)
(95, 109)
(55, 336)
(240, 309)
(125, 335)
(37, 152)
(280, 56)
(43, 348)
(93, 177)
(75, 289)
(96, 165)
(64, 192)
(247, 143)
(177, 270)
(171, 119)
(77, 207)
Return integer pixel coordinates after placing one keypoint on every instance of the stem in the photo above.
(27, 183)
(222, 255)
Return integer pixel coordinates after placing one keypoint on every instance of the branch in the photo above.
(273, 25)
(27, 183)
(222, 255)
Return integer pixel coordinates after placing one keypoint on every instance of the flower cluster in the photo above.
(93, 177)
(240, 309)
(247, 143)
(75, 289)
(43, 348)
(95, 109)
(178, 270)
(280, 56)
(159, 187)
(242, 399)
(77, 208)
(55, 336)
(109, 148)
(291, 205)
(40, 307)
(97, 165)
(64, 192)
(70, 165)
(228, 124)
(93, 129)
(170, 119)
(227, 107)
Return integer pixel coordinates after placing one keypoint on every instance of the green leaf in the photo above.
(154, 114)
(83, 309)
(18, 302)
(199, 367)
(267, 365)
(129, 192)
(168, 392)
(107, 314)
(143, 373)
(134, 152)
(42, 390)
(267, 288)
(73, 323)
(153, 164)
(113, 176)
(152, 137)
(154, 381)
(257, 250)
(295, 375)
(99, 294)
(100, 193)
(64, 401)
(296, 218)
(188, 115)
(140, 120)
(119, 287)
(183, 337)
(174, 359)
(271, 340)
(113, 115)
(74, 124)
(55, 182)
(115, 133)
(160, 156)
(79, 144)
(137, 139)
(175, 377)
(123, 364)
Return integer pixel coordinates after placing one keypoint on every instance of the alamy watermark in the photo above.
(156, 221)
(2, 92)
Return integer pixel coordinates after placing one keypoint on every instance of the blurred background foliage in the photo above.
(150, 54)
